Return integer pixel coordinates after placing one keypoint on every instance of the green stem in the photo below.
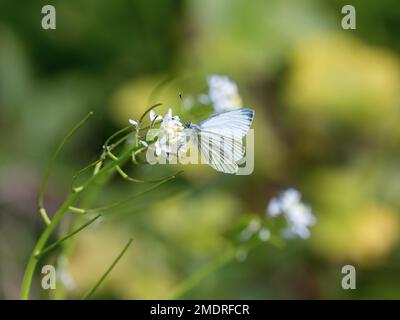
(98, 163)
(215, 265)
(51, 163)
(44, 216)
(33, 260)
(125, 176)
(120, 171)
(148, 110)
(100, 281)
(32, 263)
(193, 280)
(76, 210)
(134, 196)
(81, 171)
(105, 169)
(58, 242)
(106, 143)
(66, 247)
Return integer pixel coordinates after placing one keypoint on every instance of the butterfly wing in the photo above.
(220, 139)
(237, 122)
(218, 154)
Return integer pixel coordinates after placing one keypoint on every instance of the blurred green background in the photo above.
(327, 107)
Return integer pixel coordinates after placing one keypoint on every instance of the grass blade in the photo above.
(91, 291)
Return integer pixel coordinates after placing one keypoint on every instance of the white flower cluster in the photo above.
(223, 93)
(171, 135)
(299, 216)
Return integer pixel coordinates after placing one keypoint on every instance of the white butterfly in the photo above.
(220, 138)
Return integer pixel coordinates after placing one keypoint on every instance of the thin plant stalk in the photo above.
(66, 247)
(63, 239)
(51, 164)
(33, 260)
(51, 224)
(217, 264)
(110, 268)
(192, 281)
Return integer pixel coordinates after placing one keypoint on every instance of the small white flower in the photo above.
(289, 198)
(264, 234)
(223, 93)
(133, 123)
(274, 207)
(299, 216)
(171, 136)
(144, 143)
(153, 117)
